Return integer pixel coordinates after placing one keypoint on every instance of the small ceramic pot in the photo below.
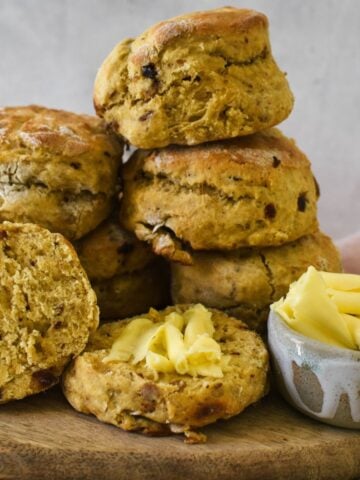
(320, 380)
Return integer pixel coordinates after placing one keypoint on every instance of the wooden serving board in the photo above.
(42, 437)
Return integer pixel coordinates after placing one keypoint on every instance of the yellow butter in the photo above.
(159, 362)
(124, 346)
(198, 323)
(341, 281)
(324, 306)
(346, 302)
(183, 343)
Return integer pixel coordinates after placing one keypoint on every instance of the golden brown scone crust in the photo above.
(58, 169)
(194, 78)
(109, 250)
(127, 277)
(47, 309)
(131, 397)
(245, 282)
(250, 191)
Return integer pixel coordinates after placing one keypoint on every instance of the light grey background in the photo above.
(51, 49)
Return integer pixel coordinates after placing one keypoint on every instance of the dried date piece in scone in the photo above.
(245, 282)
(127, 277)
(57, 169)
(194, 78)
(169, 372)
(251, 191)
(47, 309)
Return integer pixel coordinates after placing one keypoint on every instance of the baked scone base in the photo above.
(245, 282)
(133, 397)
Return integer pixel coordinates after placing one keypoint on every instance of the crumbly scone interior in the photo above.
(47, 309)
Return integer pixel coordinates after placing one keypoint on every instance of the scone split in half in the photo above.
(57, 169)
(47, 309)
(195, 78)
(140, 380)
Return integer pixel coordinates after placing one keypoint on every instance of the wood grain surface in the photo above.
(42, 437)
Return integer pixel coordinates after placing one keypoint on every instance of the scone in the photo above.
(47, 309)
(194, 78)
(251, 191)
(127, 277)
(137, 398)
(245, 282)
(57, 169)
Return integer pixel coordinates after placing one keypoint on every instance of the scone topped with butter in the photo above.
(171, 371)
(195, 78)
(57, 169)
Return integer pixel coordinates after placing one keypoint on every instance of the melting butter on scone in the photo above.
(324, 306)
(183, 343)
(169, 371)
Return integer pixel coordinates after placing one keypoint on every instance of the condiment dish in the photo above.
(320, 380)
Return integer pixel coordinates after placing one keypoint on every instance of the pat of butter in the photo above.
(183, 343)
(324, 306)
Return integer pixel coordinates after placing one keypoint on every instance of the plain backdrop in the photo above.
(51, 49)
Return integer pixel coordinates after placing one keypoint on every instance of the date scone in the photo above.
(194, 78)
(127, 277)
(250, 191)
(47, 309)
(245, 282)
(169, 372)
(57, 169)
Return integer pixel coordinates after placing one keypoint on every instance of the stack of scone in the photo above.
(220, 193)
(233, 205)
(214, 189)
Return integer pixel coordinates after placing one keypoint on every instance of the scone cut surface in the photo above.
(251, 191)
(47, 309)
(126, 275)
(134, 397)
(194, 78)
(57, 169)
(245, 282)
